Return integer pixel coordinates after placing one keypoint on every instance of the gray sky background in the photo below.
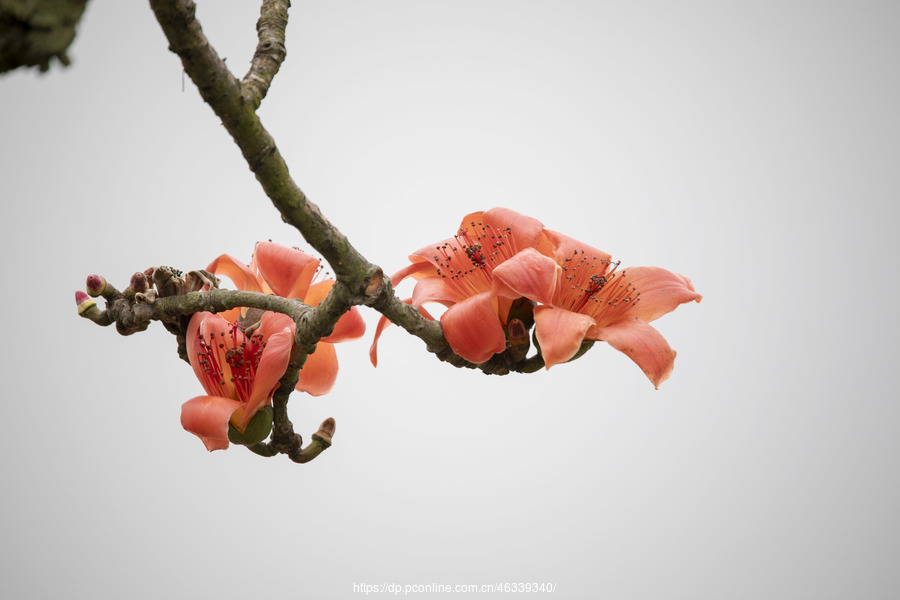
(752, 146)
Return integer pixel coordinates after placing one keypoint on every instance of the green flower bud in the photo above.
(257, 430)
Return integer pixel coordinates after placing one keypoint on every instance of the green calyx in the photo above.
(257, 430)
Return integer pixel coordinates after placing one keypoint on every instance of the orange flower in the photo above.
(588, 299)
(289, 272)
(458, 273)
(239, 372)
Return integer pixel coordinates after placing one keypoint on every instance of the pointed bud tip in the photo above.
(84, 302)
(95, 285)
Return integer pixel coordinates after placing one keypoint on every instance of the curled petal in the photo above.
(418, 269)
(473, 329)
(207, 417)
(272, 365)
(435, 289)
(641, 343)
(529, 273)
(382, 323)
(242, 276)
(287, 271)
(320, 371)
(560, 333)
(661, 291)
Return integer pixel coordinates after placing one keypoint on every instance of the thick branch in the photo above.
(358, 280)
(222, 92)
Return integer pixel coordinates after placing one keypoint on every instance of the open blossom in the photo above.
(289, 272)
(458, 273)
(584, 297)
(239, 372)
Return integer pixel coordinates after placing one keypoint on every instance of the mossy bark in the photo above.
(33, 32)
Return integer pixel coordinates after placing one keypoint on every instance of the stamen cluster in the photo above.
(230, 362)
(594, 279)
(468, 265)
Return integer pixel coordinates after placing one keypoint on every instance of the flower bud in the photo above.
(325, 432)
(83, 301)
(95, 285)
(88, 308)
(139, 282)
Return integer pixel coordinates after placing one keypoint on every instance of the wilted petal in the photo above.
(207, 417)
(287, 271)
(560, 333)
(472, 328)
(320, 371)
(643, 344)
(529, 273)
(661, 291)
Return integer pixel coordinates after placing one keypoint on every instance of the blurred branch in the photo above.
(32, 32)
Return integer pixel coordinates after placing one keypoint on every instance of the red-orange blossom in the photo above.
(499, 256)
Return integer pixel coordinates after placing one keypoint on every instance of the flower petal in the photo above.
(320, 371)
(287, 271)
(383, 322)
(641, 343)
(435, 289)
(560, 333)
(523, 230)
(349, 327)
(529, 273)
(417, 269)
(207, 417)
(566, 247)
(661, 291)
(272, 322)
(272, 365)
(473, 329)
(242, 276)
(204, 326)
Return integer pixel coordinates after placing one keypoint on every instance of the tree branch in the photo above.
(270, 52)
(360, 282)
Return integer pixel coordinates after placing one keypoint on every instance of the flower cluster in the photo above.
(501, 275)
(239, 362)
(500, 256)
